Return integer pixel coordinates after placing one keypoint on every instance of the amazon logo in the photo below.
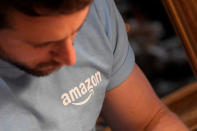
(85, 88)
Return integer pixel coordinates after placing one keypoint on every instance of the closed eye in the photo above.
(44, 45)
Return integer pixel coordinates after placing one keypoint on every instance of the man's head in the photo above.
(37, 35)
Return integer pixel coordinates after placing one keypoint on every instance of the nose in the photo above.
(64, 53)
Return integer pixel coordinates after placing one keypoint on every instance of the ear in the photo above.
(127, 27)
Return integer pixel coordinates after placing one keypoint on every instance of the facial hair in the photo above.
(39, 70)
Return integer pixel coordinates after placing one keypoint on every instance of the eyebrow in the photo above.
(39, 45)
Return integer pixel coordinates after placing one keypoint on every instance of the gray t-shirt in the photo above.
(71, 98)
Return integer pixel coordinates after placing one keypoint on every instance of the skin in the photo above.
(41, 45)
(134, 106)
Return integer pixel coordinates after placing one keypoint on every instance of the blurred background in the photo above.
(157, 48)
(160, 54)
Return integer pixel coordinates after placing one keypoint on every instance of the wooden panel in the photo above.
(184, 103)
(183, 15)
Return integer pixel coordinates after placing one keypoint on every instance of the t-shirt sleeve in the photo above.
(123, 56)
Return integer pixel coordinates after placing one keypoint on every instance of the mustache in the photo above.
(37, 71)
(46, 64)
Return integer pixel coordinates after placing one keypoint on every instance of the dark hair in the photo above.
(29, 7)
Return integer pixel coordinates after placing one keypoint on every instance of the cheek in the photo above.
(19, 51)
(32, 54)
(27, 54)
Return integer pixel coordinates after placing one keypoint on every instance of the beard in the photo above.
(41, 69)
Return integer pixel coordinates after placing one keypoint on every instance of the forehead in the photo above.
(45, 27)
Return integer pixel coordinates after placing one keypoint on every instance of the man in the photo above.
(62, 62)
